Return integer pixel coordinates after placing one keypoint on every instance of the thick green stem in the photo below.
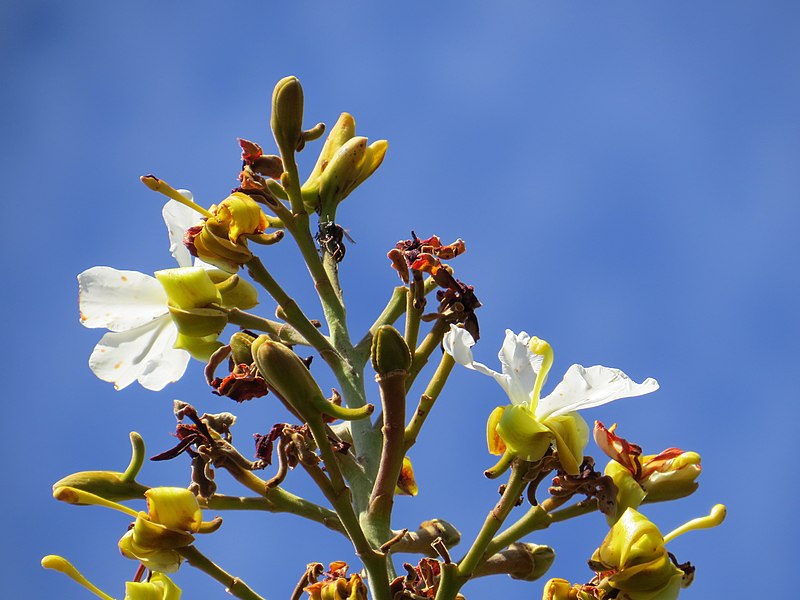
(538, 517)
(428, 398)
(279, 500)
(494, 520)
(338, 494)
(233, 585)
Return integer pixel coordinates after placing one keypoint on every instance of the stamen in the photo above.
(73, 495)
(62, 565)
(714, 518)
(162, 187)
(543, 349)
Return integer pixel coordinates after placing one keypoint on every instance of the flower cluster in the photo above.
(211, 308)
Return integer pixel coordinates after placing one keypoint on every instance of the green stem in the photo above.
(426, 401)
(281, 331)
(413, 315)
(537, 518)
(338, 494)
(424, 351)
(494, 520)
(233, 585)
(279, 500)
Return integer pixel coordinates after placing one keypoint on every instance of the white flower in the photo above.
(525, 363)
(133, 306)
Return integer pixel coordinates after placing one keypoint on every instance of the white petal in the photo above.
(457, 343)
(520, 365)
(179, 218)
(585, 388)
(119, 300)
(145, 353)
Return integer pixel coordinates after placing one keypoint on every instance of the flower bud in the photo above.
(390, 352)
(241, 345)
(287, 114)
(286, 373)
(670, 475)
(349, 168)
(521, 561)
(106, 484)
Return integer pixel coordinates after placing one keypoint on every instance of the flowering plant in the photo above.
(201, 310)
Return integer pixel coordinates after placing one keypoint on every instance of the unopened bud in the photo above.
(286, 373)
(106, 484)
(287, 114)
(241, 348)
(525, 562)
(390, 352)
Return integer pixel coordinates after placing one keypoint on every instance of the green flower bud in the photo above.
(521, 561)
(111, 485)
(107, 484)
(241, 348)
(389, 352)
(286, 373)
(287, 114)
(670, 475)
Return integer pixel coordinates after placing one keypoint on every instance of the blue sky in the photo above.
(625, 177)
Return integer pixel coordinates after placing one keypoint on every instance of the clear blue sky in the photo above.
(625, 176)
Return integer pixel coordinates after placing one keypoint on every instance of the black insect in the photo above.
(331, 240)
